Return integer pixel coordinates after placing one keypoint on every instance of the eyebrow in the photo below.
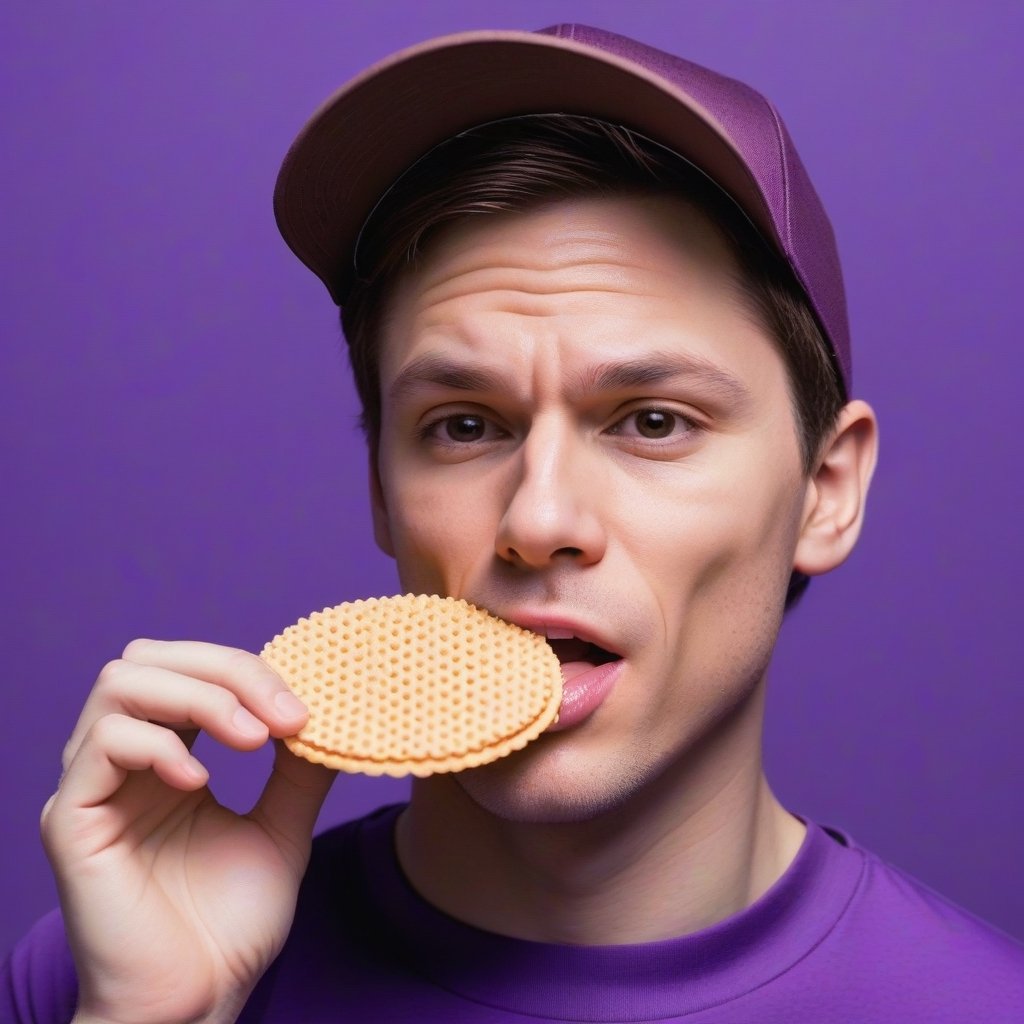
(660, 367)
(433, 370)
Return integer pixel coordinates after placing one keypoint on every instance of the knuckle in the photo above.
(112, 673)
(106, 729)
(135, 648)
(223, 703)
(242, 665)
(272, 674)
(44, 815)
(169, 745)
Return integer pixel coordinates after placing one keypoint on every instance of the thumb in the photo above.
(292, 797)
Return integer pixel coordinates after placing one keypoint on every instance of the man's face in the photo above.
(583, 427)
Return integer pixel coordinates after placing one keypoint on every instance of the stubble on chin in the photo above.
(541, 786)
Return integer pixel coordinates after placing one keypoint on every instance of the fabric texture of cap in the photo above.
(372, 129)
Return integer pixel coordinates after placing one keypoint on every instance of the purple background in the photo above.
(183, 461)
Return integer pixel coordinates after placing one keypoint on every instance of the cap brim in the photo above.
(365, 135)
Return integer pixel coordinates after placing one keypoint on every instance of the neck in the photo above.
(697, 844)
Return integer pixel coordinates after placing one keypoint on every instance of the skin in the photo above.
(156, 878)
(541, 493)
(650, 818)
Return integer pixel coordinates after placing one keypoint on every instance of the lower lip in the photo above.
(584, 691)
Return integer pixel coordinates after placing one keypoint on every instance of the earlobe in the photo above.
(837, 492)
(378, 508)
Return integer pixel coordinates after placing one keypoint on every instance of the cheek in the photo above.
(708, 529)
(752, 510)
(719, 559)
(438, 531)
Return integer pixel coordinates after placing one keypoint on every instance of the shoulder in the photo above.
(900, 934)
(37, 981)
(917, 912)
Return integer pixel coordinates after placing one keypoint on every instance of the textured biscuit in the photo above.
(415, 685)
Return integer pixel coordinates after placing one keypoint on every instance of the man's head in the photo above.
(599, 402)
(518, 164)
(584, 427)
(376, 171)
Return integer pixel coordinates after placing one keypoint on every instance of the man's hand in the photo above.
(173, 904)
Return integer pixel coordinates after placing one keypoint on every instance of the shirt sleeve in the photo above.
(37, 981)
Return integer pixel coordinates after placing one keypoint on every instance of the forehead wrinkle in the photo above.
(519, 301)
(544, 272)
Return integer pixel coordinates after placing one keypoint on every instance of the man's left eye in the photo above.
(653, 424)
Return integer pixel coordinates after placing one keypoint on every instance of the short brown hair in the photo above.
(521, 163)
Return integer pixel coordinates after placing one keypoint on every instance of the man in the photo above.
(598, 327)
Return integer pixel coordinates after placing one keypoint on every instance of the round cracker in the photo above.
(415, 684)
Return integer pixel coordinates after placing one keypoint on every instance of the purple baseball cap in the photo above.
(365, 136)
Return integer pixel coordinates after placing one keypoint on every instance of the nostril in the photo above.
(514, 555)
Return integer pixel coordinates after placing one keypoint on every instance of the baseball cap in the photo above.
(369, 132)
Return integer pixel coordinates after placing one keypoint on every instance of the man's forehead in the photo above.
(562, 242)
(604, 265)
(655, 300)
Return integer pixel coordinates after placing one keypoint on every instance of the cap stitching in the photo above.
(840, 364)
(781, 135)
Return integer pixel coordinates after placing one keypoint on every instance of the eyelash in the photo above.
(426, 433)
(692, 427)
(690, 424)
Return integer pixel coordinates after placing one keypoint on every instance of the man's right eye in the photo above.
(460, 428)
(464, 428)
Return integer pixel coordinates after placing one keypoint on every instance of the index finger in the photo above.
(246, 675)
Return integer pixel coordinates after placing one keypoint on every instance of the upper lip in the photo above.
(542, 622)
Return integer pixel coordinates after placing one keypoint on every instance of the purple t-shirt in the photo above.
(840, 937)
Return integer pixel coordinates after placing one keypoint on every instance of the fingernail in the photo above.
(247, 723)
(289, 705)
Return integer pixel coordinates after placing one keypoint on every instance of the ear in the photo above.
(837, 491)
(381, 526)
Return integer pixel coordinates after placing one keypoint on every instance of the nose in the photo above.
(553, 509)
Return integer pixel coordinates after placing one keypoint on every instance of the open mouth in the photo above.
(575, 649)
(589, 674)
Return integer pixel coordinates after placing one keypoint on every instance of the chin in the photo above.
(548, 784)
